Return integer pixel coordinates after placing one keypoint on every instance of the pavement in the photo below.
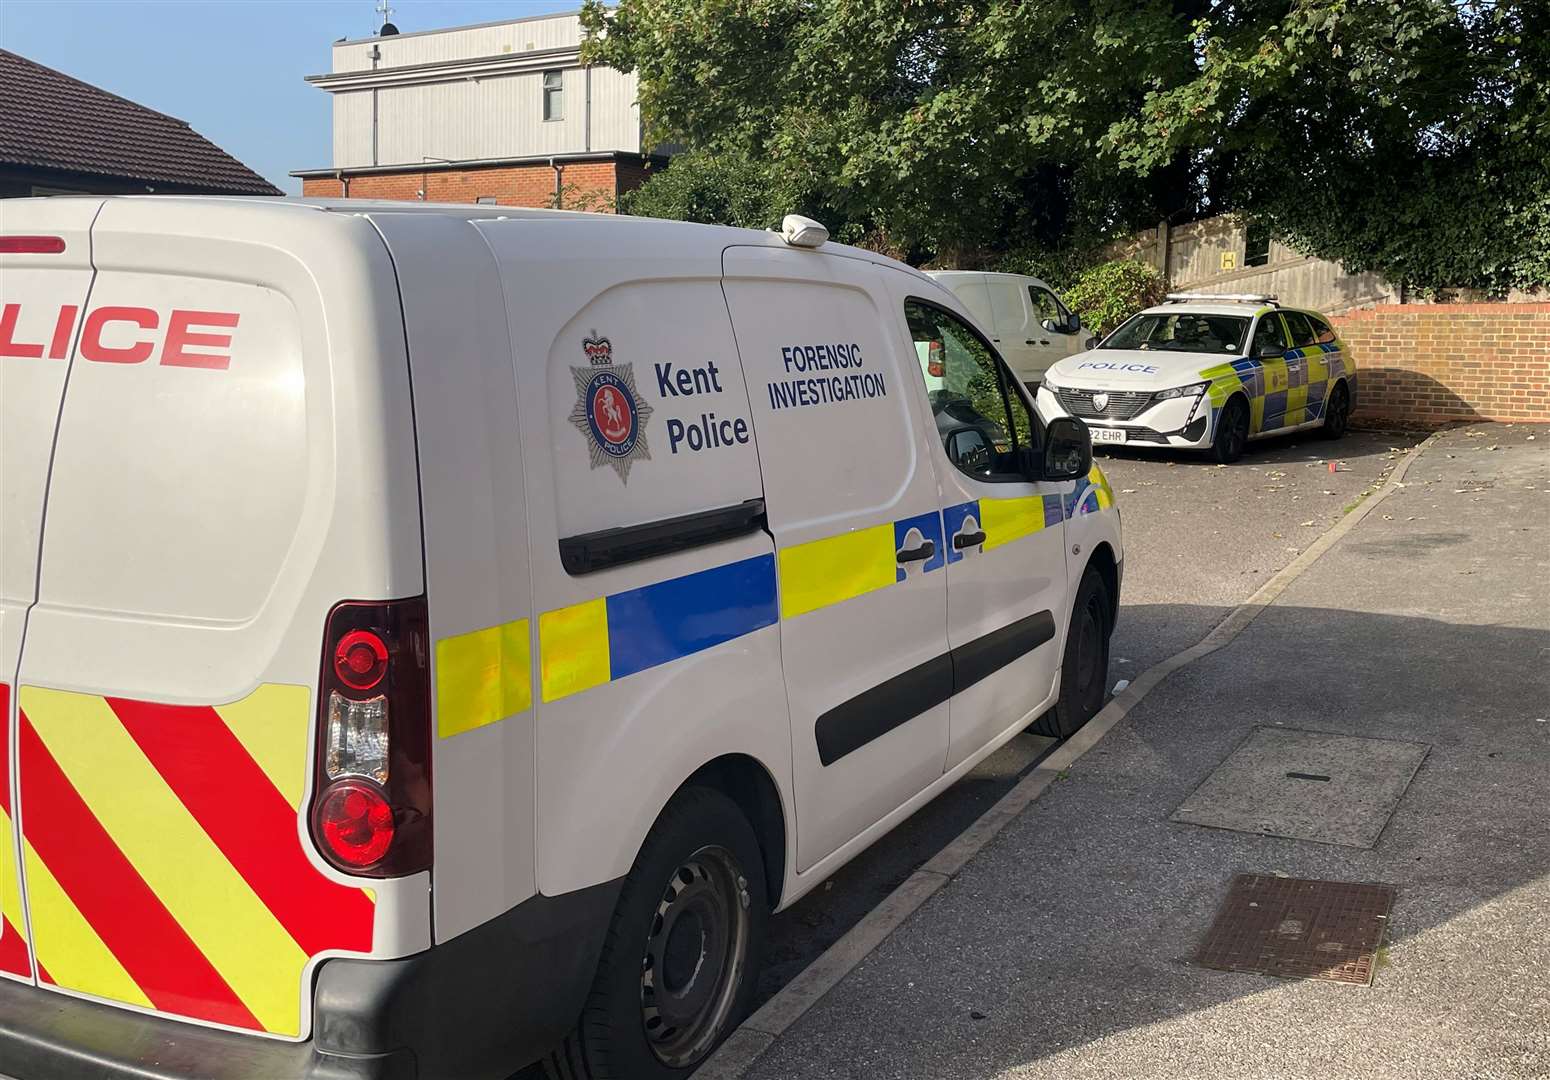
(1199, 540)
(1062, 949)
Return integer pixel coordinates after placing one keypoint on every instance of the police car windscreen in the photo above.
(1181, 331)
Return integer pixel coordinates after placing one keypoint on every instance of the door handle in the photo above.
(1041, 341)
(968, 540)
(917, 554)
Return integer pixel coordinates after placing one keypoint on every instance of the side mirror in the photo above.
(968, 449)
(1091, 343)
(1074, 324)
(1269, 351)
(1068, 450)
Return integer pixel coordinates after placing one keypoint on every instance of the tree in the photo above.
(937, 126)
(1403, 136)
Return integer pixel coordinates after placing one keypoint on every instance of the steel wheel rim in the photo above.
(695, 957)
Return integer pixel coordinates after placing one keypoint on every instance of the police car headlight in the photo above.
(1191, 391)
(1049, 384)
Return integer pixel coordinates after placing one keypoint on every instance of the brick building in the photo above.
(62, 136)
(501, 112)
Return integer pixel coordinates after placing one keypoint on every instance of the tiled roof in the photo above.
(51, 121)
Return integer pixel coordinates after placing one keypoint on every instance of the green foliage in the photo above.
(1109, 293)
(1404, 136)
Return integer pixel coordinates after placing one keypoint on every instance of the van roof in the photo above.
(665, 232)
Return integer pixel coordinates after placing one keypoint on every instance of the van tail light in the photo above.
(934, 365)
(371, 802)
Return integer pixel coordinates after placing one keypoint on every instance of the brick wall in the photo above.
(591, 185)
(1429, 364)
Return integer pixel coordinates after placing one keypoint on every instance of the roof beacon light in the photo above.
(799, 231)
(1224, 298)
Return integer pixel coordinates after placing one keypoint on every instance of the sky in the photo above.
(232, 69)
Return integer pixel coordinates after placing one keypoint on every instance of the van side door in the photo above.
(1017, 333)
(851, 498)
(1006, 565)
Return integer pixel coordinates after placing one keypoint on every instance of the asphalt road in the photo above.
(1199, 540)
(1062, 949)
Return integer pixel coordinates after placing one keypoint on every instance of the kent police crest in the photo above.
(609, 411)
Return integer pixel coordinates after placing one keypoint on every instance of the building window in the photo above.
(1256, 245)
(554, 95)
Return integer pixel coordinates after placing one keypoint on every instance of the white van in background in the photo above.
(1028, 324)
(433, 638)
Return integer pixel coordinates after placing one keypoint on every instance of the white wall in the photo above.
(485, 113)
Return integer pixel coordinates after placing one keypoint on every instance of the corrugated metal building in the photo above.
(500, 112)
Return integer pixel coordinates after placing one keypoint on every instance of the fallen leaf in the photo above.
(1307, 524)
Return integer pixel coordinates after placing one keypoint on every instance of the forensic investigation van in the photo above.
(436, 638)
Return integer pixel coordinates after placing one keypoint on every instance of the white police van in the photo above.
(1208, 372)
(434, 638)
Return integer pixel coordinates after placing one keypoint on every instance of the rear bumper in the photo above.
(480, 1005)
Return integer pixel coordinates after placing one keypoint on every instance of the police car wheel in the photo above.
(679, 965)
(1084, 669)
(1232, 432)
(1337, 413)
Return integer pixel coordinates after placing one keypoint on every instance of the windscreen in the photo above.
(1183, 331)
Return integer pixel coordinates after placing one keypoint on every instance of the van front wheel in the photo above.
(682, 954)
(1084, 669)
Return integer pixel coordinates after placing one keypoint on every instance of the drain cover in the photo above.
(1298, 929)
(1306, 785)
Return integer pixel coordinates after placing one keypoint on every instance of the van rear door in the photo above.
(233, 457)
(45, 276)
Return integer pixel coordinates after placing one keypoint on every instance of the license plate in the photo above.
(1108, 434)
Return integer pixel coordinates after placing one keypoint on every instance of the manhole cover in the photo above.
(1298, 929)
(1306, 785)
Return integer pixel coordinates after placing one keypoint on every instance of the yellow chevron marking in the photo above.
(1006, 520)
(271, 724)
(10, 887)
(68, 948)
(216, 908)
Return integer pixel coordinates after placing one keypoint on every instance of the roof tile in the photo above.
(52, 121)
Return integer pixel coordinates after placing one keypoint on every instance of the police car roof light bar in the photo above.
(1230, 298)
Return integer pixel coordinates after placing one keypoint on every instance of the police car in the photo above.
(436, 638)
(1208, 372)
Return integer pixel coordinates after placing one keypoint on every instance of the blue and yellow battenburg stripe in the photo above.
(484, 676)
(1279, 395)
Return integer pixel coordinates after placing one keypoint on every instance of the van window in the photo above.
(982, 425)
(1046, 304)
(1301, 329)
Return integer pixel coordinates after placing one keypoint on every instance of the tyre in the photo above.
(681, 958)
(1337, 412)
(1084, 669)
(1232, 432)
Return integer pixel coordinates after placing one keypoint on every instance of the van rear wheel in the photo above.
(682, 955)
(1084, 669)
